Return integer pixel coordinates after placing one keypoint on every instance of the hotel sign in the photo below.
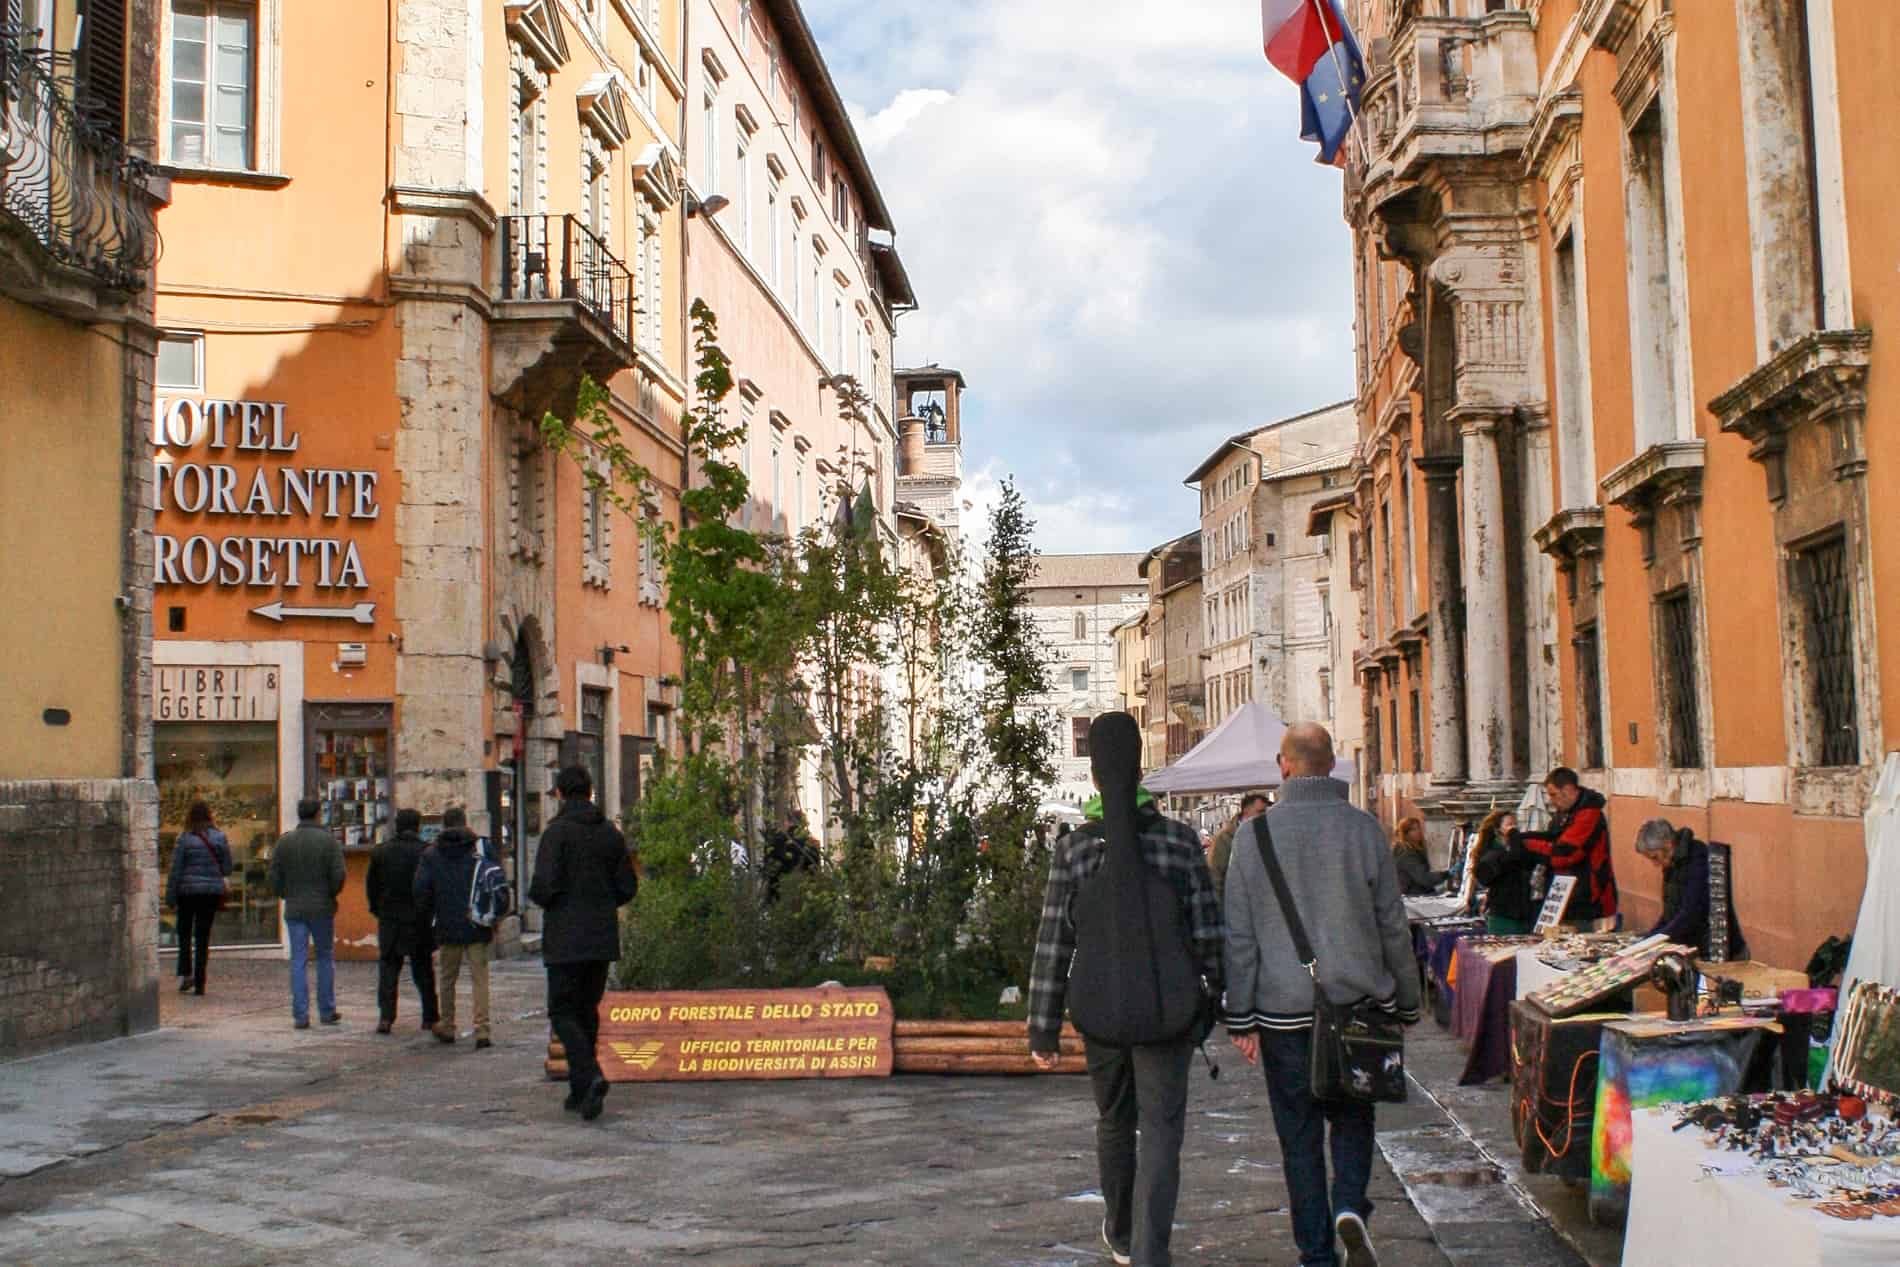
(214, 692)
(233, 464)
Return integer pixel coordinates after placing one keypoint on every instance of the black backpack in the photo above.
(1135, 978)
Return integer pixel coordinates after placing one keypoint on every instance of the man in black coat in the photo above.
(583, 875)
(401, 933)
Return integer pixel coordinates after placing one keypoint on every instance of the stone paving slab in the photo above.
(343, 1147)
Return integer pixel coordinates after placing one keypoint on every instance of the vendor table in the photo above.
(1484, 979)
(1533, 974)
(1434, 942)
(1554, 1087)
(1646, 1061)
(1680, 1213)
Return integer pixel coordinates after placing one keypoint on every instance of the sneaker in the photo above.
(1357, 1241)
(482, 1044)
(1114, 1252)
(303, 1024)
(334, 1018)
(594, 1101)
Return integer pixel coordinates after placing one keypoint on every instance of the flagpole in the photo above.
(1332, 47)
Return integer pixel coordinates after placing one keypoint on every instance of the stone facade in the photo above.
(1609, 316)
(78, 912)
(1078, 601)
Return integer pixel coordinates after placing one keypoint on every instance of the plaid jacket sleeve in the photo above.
(1207, 924)
(1055, 948)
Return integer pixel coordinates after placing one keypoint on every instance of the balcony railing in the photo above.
(558, 257)
(72, 186)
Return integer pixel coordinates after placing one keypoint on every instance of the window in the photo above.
(745, 26)
(1081, 626)
(772, 75)
(181, 363)
(1655, 316)
(773, 234)
(1676, 625)
(742, 189)
(1079, 736)
(652, 582)
(817, 161)
(596, 531)
(527, 161)
(1823, 583)
(797, 278)
(709, 123)
(1392, 725)
(778, 482)
(591, 745)
(817, 304)
(214, 83)
(1079, 681)
(1589, 695)
(837, 330)
(1576, 464)
(1418, 733)
(798, 497)
(647, 276)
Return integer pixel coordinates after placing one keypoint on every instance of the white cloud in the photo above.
(1114, 231)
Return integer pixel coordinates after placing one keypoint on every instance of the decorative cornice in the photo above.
(1641, 77)
(1609, 22)
(1820, 378)
(536, 25)
(1668, 471)
(1571, 534)
(461, 204)
(1558, 117)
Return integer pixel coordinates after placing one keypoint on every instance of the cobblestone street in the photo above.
(228, 1138)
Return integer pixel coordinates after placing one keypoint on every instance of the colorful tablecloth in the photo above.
(1486, 980)
(1554, 1087)
(1645, 1061)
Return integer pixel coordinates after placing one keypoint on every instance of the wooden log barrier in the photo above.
(1023, 1064)
(976, 1047)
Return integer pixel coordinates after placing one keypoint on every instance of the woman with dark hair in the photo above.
(1505, 868)
(195, 890)
(1416, 877)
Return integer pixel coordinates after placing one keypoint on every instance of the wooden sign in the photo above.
(1555, 902)
(695, 1035)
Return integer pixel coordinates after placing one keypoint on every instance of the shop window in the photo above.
(347, 754)
(1681, 699)
(181, 362)
(1079, 736)
(1823, 583)
(1590, 695)
(232, 768)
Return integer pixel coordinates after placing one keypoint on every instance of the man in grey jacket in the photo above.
(306, 871)
(1343, 883)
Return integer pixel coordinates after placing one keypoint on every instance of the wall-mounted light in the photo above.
(711, 205)
(606, 653)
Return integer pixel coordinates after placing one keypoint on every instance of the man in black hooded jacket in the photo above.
(444, 879)
(583, 875)
(401, 932)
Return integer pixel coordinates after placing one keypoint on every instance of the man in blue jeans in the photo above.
(1344, 885)
(306, 871)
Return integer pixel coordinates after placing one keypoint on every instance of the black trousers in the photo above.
(396, 941)
(1141, 1092)
(194, 930)
(574, 991)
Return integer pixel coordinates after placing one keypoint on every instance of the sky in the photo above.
(1113, 230)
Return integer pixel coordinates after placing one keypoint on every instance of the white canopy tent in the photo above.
(1237, 757)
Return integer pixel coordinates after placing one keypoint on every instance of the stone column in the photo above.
(1487, 590)
(440, 226)
(1447, 644)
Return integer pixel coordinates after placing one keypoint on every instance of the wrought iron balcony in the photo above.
(566, 308)
(76, 207)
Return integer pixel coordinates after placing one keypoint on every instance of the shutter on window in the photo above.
(102, 65)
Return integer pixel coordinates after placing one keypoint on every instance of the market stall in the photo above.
(1827, 1196)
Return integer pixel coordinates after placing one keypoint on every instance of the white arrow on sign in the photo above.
(362, 613)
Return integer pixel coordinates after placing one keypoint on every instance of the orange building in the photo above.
(399, 237)
(1617, 287)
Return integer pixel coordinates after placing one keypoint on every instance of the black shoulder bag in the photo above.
(1358, 1051)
